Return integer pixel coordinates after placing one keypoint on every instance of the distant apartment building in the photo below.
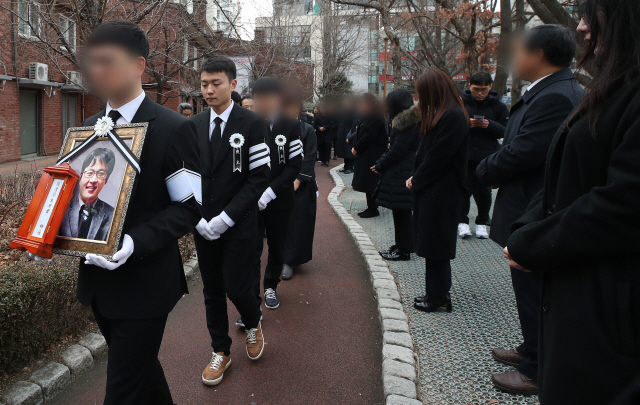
(224, 16)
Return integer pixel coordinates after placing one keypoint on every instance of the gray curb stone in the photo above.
(23, 393)
(398, 400)
(399, 369)
(52, 378)
(398, 339)
(399, 364)
(394, 385)
(96, 344)
(77, 358)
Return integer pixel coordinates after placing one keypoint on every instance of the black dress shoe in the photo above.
(348, 171)
(434, 303)
(422, 298)
(397, 255)
(369, 213)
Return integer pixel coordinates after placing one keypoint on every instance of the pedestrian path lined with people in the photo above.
(454, 349)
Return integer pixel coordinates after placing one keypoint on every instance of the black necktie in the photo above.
(216, 135)
(115, 115)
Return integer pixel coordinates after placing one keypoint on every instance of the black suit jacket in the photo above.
(100, 222)
(235, 193)
(150, 283)
(283, 173)
(518, 167)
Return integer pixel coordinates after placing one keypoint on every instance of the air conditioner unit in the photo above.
(74, 78)
(39, 71)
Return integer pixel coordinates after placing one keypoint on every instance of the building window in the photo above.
(68, 29)
(28, 18)
(195, 58)
(185, 50)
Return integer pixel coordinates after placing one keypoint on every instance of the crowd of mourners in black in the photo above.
(565, 161)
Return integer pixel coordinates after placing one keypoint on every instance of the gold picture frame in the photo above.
(103, 213)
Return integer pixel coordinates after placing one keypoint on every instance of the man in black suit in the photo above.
(235, 174)
(277, 201)
(132, 296)
(542, 56)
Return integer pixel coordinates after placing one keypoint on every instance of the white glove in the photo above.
(119, 258)
(218, 226)
(37, 258)
(264, 200)
(205, 231)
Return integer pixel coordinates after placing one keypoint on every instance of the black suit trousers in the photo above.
(481, 195)
(134, 373)
(437, 277)
(528, 291)
(403, 226)
(276, 223)
(227, 269)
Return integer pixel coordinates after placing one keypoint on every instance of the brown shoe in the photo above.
(255, 342)
(213, 373)
(508, 357)
(514, 382)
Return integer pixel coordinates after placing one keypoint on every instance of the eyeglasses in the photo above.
(100, 174)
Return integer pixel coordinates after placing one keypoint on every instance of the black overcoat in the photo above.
(438, 186)
(152, 280)
(484, 141)
(345, 123)
(370, 143)
(518, 167)
(396, 165)
(582, 233)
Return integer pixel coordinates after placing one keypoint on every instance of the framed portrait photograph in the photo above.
(96, 212)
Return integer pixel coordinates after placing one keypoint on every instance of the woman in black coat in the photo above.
(582, 231)
(369, 144)
(438, 184)
(395, 167)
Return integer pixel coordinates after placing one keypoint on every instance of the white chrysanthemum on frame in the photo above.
(281, 140)
(236, 141)
(103, 126)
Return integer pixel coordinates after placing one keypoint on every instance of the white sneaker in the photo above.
(464, 231)
(481, 232)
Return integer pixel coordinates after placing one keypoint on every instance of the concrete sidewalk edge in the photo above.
(51, 379)
(399, 375)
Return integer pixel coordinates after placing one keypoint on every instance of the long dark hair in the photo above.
(613, 53)
(437, 95)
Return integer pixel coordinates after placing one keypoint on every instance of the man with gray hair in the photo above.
(185, 109)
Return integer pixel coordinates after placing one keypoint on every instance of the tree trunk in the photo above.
(516, 84)
(502, 70)
(396, 61)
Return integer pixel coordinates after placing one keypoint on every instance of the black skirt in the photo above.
(299, 244)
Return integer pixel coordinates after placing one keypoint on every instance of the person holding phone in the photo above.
(488, 119)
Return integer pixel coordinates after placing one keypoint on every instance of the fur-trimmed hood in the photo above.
(407, 118)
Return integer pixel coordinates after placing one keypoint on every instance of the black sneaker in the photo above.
(391, 249)
(241, 324)
(396, 255)
(271, 300)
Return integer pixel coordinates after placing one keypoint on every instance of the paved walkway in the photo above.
(454, 350)
(27, 165)
(323, 343)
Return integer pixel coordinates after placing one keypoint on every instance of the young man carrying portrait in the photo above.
(132, 295)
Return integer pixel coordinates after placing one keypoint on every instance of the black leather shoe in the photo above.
(422, 298)
(434, 303)
(396, 255)
(348, 171)
(369, 213)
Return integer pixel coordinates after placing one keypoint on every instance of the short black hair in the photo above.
(266, 85)
(557, 43)
(247, 98)
(124, 34)
(100, 155)
(481, 79)
(219, 64)
(236, 97)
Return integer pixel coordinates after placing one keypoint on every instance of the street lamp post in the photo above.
(384, 35)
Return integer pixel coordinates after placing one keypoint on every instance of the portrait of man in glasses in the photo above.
(89, 217)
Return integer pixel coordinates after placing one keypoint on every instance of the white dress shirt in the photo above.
(129, 110)
(224, 117)
(537, 81)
